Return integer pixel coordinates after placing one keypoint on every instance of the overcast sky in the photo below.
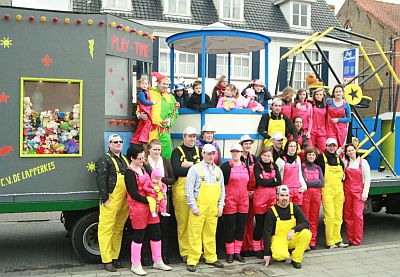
(64, 4)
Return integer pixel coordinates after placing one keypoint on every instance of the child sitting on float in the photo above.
(228, 101)
(249, 102)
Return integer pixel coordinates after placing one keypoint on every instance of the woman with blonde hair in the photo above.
(287, 98)
(219, 90)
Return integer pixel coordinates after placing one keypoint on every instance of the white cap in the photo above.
(208, 128)
(245, 138)
(282, 189)
(236, 147)
(330, 141)
(276, 100)
(208, 148)
(113, 137)
(190, 131)
(277, 136)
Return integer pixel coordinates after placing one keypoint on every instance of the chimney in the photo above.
(332, 8)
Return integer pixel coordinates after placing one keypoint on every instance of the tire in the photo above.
(84, 238)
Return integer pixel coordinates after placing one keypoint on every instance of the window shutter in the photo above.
(255, 65)
(212, 65)
(325, 70)
(199, 68)
(156, 46)
(283, 69)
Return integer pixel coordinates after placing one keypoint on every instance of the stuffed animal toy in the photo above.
(71, 147)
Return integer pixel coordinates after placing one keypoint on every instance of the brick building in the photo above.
(381, 21)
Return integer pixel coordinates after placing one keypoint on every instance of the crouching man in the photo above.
(286, 227)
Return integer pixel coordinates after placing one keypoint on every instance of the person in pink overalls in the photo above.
(314, 179)
(290, 170)
(302, 138)
(267, 179)
(302, 108)
(287, 101)
(318, 130)
(139, 212)
(357, 179)
(236, 178)
(338, 115)
(249, 160)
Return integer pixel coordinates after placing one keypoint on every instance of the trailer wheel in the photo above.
(84, 237)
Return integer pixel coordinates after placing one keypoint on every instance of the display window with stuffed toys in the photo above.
(50, 117)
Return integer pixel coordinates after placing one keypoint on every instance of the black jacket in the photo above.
(264, 122)
(106, 174)
(194, 102)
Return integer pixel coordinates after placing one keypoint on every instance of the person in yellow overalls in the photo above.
(205, 192)
(110, 170)
(286, 227)
(275, 122)
(182, 159)
(332, 194)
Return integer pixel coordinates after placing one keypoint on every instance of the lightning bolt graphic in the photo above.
(91, 47)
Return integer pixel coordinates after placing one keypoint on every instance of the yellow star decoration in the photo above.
(91, 166)
(6, 42)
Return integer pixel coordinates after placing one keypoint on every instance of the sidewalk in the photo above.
(371, 260)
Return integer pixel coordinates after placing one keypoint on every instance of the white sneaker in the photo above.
(161, 265)
(165, 214)
(342, 244)
(153, 214)
(333, 246)
(138, 269)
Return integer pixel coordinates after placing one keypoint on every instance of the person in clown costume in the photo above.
(205, 196)
(275, 122)
(163, 113)
(286, 227)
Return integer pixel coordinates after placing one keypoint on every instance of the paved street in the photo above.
(35, 244)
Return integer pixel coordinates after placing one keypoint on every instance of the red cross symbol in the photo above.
(47, 61)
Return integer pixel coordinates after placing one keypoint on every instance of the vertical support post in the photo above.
(229, 67)
(172, 66)
(203, 76)
(396, 101)
(266, 68)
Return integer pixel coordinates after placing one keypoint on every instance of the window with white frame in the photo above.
(240, 65)
(177, 7)
(302, 68)
(185, 63)
(120, 5)
(301, 15)
(232, 10)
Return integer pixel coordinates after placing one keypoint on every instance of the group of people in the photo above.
(254, 97)
(268, 203)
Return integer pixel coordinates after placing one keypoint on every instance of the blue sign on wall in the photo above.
(350, 64)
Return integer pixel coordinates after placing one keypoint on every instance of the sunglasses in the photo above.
(117, 141)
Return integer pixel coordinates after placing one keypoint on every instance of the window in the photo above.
(51, 117)
(119, 5)
(300, 15)
(177, 7)
(232, 10)
(185, 63)
(240, 65)
(302, 68)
